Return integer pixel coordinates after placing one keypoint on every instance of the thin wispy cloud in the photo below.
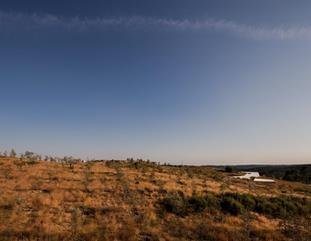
(18, 21)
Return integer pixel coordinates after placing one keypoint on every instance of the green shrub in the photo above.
(236, 203)
(264, 206)
(230, 205)
(32, 162)
(182, 206)
(247, 201)
(282, 206)
(229, 169)
(197, 203)
(175, 203)
(212, 201)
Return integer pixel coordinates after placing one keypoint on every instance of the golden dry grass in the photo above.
(115, 201)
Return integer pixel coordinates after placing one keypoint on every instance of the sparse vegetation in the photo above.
(67, 199)
(236, 204)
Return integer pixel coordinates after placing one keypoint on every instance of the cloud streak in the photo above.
(14, 21)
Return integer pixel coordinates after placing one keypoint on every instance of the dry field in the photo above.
(112, 200)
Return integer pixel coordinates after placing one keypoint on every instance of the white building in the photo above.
(248, 175)
(254, 176)
(264, 180)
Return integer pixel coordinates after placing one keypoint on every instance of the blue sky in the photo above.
(197, 82)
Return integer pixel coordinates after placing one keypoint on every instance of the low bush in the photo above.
(197, 203)
(236, 204)
(283, 206)
(175, 203)
(231, 205)
(263, 205)
(229, 169)
(180, 205)
(248, 201)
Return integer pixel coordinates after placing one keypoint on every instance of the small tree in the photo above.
(13, 153)
(28, 154)
(229, 169)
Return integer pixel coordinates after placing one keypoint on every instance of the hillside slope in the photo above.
(115, 200)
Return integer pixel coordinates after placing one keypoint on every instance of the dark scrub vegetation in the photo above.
(237, 203)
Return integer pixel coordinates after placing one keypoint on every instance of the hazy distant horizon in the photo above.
(168, 161)
(212, 80)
